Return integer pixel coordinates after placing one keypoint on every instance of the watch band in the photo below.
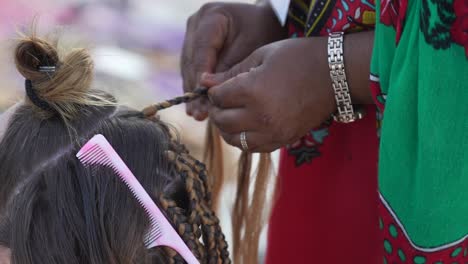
(345, 112)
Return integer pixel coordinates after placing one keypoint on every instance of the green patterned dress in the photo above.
(419, 79)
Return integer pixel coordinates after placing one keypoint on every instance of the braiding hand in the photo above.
(214, 43)
(276, 95)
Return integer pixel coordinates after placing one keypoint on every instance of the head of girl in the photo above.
(55, 210)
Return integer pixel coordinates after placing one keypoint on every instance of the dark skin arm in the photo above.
(357, 53)
(284, 89)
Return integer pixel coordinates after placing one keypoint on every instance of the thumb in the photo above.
(209, 80)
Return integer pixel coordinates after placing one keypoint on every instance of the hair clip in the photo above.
(47, 69)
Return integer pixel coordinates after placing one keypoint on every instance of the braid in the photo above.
(187, 97)
(186, 230)
(174, 258)
(197, 185)
(197, 214)
(200, 169)
(210, 217)
(201, 212)
(211, 228)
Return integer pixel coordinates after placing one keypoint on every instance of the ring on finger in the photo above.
(243, 140)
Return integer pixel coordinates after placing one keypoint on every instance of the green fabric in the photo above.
(423, 163)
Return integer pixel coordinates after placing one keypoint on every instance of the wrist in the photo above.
(346, 111)
(357, 51)
(319, 64)
(316, 78)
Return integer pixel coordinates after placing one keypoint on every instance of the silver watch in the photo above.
(345, 112)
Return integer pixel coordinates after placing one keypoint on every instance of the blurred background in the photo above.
(136, 46)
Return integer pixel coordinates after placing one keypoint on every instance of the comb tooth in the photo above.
(90, 152)
(152, 235)
(89, 158)
(154, 232)
(157, 233)
(150, 239)
(81, 155)
(97, 157)
(153, 222)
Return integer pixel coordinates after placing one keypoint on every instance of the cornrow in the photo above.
(187, 97)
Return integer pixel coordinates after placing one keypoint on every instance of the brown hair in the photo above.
(68, 87)
(54, 210)
(250, 208)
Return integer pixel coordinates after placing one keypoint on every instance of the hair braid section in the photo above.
(200, 205)
(185, 229)
(209, 216)
(197, 213)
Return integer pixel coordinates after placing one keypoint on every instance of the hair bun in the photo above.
(68, 86)
(31, 53)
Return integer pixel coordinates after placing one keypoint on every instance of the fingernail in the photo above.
(207, 77)
(200, 116)
(196, 114)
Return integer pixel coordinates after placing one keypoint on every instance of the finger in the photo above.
(206, 33)
(198, 108)
(228, 58)
(247, 65)
(202, 109)
(200, 51)
(256, 142)
(210, 36)
(234, 120)
(207, 80)
(187, 51)
(268, 148)
(232, 93)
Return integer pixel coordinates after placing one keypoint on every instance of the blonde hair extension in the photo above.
(249, 213)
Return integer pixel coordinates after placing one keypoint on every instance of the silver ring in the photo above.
(243, 140)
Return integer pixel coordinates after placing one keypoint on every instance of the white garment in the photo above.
(281, 8)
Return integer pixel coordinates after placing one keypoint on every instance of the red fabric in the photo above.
(459, 30)
(326, 210)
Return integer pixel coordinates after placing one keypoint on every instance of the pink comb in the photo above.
(98, 151)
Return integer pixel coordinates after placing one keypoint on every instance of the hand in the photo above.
(220, 35)
(276, 95)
